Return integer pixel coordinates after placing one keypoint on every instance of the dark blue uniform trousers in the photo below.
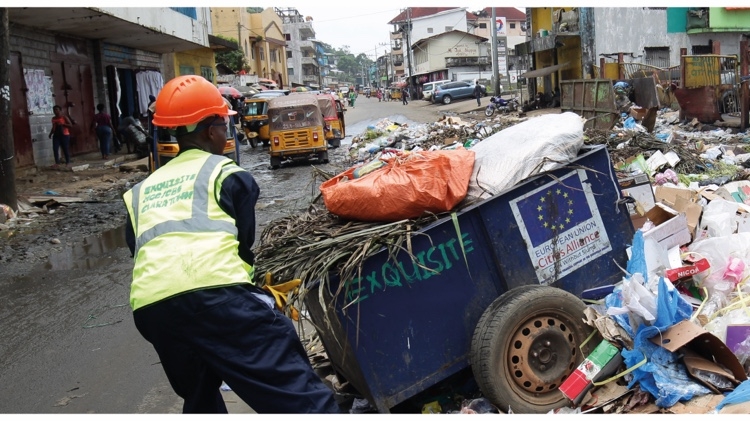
(230, 334)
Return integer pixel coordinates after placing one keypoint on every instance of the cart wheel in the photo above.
(275, 162)
(253, 142)
(266, 143)
(323, 157)
(525, 345)
(335, 143)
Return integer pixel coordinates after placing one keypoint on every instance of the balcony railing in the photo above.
(697, 18)
(310, 78)
(309, 60)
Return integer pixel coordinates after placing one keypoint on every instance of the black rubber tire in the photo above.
(335, 143)
(275, 162)
(266, 143)
(323, 157)
(447, 99)
(489, 111)
(254, 142)
(525, 345)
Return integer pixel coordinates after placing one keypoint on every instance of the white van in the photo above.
(428, 87)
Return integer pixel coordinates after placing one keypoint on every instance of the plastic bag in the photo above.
(740, 394)
(719, 218)
(478, 406)
(407, 187)
(511, 155)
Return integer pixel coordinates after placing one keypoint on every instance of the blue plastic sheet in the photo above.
(663, 376)
(740, 394)
(629, 123)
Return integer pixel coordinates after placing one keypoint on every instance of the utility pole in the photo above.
(7, 148)
(239, 37)
(408, 48)
(493, 38)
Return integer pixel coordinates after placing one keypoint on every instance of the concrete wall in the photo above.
(166, 20)
(636, 29)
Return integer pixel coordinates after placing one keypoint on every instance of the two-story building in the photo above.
(78, 57)
(510, 27)
(414, 24)
(453, 55)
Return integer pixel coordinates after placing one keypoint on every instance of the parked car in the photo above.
(428, 87)
(450, 91)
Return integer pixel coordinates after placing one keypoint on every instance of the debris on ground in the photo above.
(689, 194)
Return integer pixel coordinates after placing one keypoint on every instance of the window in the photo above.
(429, 30)
(262, 53)
(512, 25)
(657, 56)
(207, 73)
(482, 26)
(288, 37)
(290, 71)
(288, 54)
(252, 53)
(273, 55)
(187, 70)
(448, 28)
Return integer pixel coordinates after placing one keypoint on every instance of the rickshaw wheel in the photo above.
(525, 345)
(253, 142)
(275, 162)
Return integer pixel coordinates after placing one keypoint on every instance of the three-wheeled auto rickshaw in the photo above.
(395, 93)
(333, 118)
(255, 121)
(296, 129)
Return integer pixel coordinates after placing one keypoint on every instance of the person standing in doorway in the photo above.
(190, 230)
(60, 135)
(104, 130)
(478, 93)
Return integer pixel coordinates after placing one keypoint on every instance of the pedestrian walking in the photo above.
(352, 98)
(104, 130)
(478, 93)
(60, 135)
(380, 95)
(190, 229)
(405, 96)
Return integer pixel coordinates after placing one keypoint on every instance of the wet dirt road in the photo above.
(68, 343)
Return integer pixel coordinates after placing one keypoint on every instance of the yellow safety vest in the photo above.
(184, 241)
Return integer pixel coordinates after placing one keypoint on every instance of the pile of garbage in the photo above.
(674, 334)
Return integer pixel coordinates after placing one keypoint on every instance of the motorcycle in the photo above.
(501, 105)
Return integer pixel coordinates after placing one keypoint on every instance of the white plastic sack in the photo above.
(720, 218)
(537, 145)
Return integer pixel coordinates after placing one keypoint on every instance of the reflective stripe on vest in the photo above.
(183, 246)
(199, 222)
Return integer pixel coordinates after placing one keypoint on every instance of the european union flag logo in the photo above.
(554, 209)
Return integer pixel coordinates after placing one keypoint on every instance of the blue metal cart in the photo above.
(494, 290)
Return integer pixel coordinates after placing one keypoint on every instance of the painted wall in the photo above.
(438, 22)
(637, 28)
(431, 54)
(541, 18)
(733, 20)
(195, 59)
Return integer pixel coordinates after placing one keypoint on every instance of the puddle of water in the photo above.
(91, 253)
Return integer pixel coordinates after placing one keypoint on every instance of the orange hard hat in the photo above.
(186, 100)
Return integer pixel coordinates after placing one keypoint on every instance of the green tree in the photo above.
(234, 59)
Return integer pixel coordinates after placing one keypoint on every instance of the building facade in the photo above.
(260, 37)
(79, 57)
(303, 55)
(453, 55)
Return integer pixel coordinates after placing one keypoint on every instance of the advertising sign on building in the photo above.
(501, 26)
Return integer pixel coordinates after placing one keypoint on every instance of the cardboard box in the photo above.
(603, 361)
(704, 343)
(685, 271)
(671, 227)
(684, 201)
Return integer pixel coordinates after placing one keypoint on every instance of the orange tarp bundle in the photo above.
(405, 188)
